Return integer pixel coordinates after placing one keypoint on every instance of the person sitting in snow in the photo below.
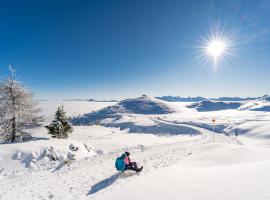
(124, 163)
(131, 165)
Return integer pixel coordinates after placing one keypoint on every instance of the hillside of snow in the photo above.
(143, 105)
(205, 106)
(259, 105)
(182, 157)
(139, 115)
(213, 171)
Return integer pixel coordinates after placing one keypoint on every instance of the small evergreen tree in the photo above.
(60, 126)
(18, 110)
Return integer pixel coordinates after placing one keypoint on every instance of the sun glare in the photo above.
(215, 48)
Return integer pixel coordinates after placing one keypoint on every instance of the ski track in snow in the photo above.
(75, 180)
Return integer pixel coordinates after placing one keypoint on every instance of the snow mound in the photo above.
(43, 154)
(205, 106)
(143, 105)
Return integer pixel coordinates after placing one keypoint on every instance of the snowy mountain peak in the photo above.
(143, 105)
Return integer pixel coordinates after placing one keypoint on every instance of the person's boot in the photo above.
(139, 169)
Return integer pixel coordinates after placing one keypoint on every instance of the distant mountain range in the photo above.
(198, 99)
(181, 99)
(94, 100)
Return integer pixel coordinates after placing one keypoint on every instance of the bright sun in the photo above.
(216, 48)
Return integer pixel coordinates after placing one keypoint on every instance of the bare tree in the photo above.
(17, 110)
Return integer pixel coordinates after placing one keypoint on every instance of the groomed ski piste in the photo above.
(182, 157)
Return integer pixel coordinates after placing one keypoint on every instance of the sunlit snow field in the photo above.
(182, 157)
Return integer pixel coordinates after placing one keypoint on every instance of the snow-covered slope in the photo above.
(88, 176)
(197, 164)
(205, 106)
(139, 115)
(142, 105)
(265, 98)
(213, 171)
(260, 105)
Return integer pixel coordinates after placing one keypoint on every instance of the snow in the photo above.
(205, 106)
(261, 105)
(143, 105)
(182, 157)
(73, 108)
(204, 179)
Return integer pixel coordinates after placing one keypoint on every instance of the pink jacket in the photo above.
(127, 161)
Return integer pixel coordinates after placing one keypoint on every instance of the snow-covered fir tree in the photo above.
(60, 126)
(17, 110)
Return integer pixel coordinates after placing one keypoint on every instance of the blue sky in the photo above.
(115, 49)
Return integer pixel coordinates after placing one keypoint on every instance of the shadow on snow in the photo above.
(104, 184)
